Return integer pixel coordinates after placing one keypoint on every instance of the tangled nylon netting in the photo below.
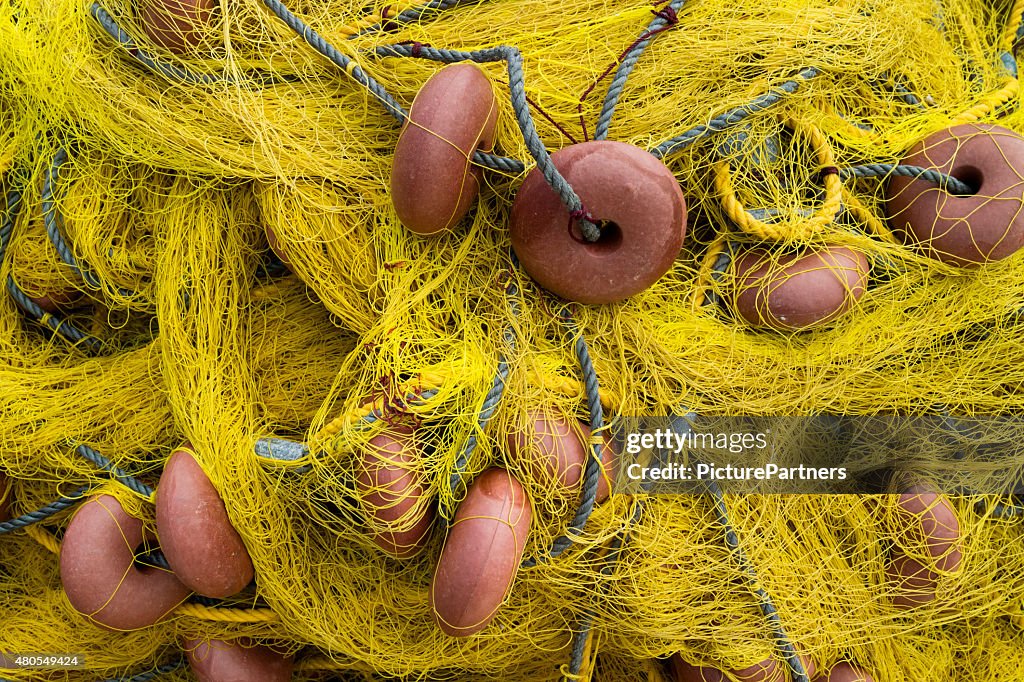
(139, 186)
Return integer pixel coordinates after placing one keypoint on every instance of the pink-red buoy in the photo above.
(844, 672)
(391, 491)
(237, 660)
(482, 553)
(177, 25)
(200, 544)
(984, 226)
(433, 182)
(799, 291)
(99, 574)
(636, 199)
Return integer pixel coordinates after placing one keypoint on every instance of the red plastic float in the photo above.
(632, 195)
(200, 544)
(559, 454)
(767, 670)
(482, 553)
(99, 574)
(844, 672)
(799, 291)
(237, 660)
(964, 230)
(177, 24)
(433, 182)
(391, 491)
(928, 518)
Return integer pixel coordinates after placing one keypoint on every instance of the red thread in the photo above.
(668, 13)
(551, 120)
(386, 25)
(579, 214)
(416, 47)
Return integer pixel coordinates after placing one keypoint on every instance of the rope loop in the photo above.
(802, 229)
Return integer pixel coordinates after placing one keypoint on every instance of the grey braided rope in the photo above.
(682, 425)
(906, 95)
(151, 674)
(318, 43)
(52, 321)
(718, 269)
(117, 474)
(53, 221)
(1009, 63)
(45, 512)
(592, 472)
(625, 68)
(581, 634)
(890, 82)
(579, 641)
(945, 182)
(184, 75)
(284, 450)
(166, 69)
(764, 600)
(12, 204)
(514, 63)
(489, 406)
(731, 118)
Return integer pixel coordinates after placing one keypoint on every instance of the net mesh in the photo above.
(174, 175)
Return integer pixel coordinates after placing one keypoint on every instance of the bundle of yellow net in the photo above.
(139, 185)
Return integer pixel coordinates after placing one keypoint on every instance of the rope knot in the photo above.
(667, 13)
(589, 227)
(581, 213)
(827, 171)
(386, 24)
(417, 47)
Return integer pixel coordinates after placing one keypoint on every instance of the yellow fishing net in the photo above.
(177, 165)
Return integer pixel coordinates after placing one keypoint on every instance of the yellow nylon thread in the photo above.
(170, 189)
(325, 663)
(653, 671)
(428, 381)
(863, 215)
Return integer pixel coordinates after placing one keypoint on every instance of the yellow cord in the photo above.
(44, 538)
(227, 615)
(802, 229)
(704, 277)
